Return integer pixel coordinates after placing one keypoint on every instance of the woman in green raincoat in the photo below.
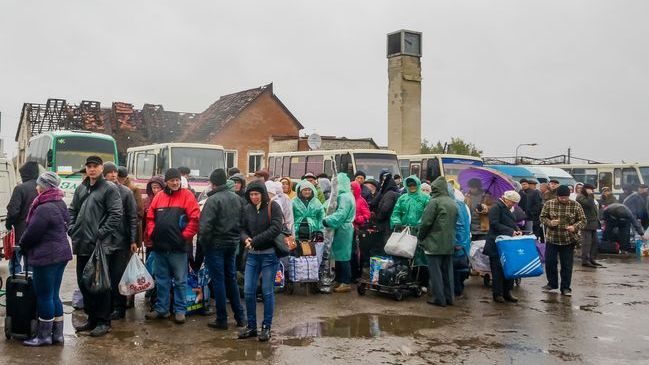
(410, 206)
(307, 208)
(342, 222)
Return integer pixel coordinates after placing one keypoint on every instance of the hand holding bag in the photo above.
(96, 277)
(402, 244)
(285, 241)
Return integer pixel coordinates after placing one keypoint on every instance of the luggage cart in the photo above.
(310, 285)
(405, 284)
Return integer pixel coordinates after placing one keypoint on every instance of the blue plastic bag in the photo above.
(519, 256)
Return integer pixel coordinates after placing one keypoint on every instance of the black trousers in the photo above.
(538, 230)
(618, 231)
(96, 306)
(499, 285)
(565, 254)
(117, 262)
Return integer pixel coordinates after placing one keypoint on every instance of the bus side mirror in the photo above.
(49, 158)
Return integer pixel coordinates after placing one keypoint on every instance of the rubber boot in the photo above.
(57, 330)
(44, 336)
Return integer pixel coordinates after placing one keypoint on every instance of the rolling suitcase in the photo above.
(22, 317)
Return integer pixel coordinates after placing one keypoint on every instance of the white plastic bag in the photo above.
(479, 261)
(401, 244)
(136, 278)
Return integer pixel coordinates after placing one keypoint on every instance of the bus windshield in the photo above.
(200, 161)
(70, 153)
(644, 171)
(372, 164)
(453, 166)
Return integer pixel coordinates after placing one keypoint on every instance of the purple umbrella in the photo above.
(492, 181)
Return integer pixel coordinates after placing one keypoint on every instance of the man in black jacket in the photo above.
(218, 238)
(533, 207)
(123, 243)
(589, 241)
(501, 222)
(95, 216)
(18, 207)
(619, 219)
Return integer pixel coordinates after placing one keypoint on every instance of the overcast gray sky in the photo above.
(497, 73)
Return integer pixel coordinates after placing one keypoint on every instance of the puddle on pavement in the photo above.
(363, 326)
(589, 308)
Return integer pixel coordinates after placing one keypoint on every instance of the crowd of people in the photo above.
(241, 220)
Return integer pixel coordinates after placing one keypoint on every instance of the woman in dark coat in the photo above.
(501, 223)
(261, 224)
(389, 195)
(46, 243)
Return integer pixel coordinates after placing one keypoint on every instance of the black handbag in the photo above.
(283, 240)
(96, 277)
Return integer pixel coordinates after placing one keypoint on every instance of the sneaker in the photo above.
(264, 335)
(100, 330)
(247, 333)
(218, 325)
(343, 288)
(566, 292)
(155, 315)
(179, 318)
(549, 289)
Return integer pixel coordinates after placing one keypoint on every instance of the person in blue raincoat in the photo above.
(341, 220)
(461, 269)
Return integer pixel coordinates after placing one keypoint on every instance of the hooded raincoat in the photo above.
(437, 230)
(291, 193)
(363, 213)
(342, 220)
(310, 210)
(410, 206)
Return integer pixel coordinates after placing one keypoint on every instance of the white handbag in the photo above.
(401, 244)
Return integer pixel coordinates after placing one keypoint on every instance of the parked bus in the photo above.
(555, 173)
(65, 153)
(145, 162)
(614, 176)
(430, 167)
(296, 164)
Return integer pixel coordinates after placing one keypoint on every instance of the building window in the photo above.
(255, 161)
(230, 159)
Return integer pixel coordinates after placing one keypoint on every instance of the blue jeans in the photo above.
(47, 283)
(170, 265)
(221, 265)
(266, 266)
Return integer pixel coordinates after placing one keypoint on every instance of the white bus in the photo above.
(145, 162)
(614, 176)
(431, 166)
(296, 164)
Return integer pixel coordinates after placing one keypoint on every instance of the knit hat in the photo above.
(512, 196)
(48, 180)
(172, 173)
(588, 186)
(563, 190)
(218, 177)
(109, 167)
(360, 173)
(233, 171)
(122, 171)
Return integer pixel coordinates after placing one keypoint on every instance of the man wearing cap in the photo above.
(124, 241)
(95, 217)
(218, 238)
(553, 185)
(637, 202)
(589, 241)
(564, 218)
(172, 223)
(533, 206)
(501, 222)
(310, 177)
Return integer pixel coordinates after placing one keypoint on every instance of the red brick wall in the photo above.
(252, 129)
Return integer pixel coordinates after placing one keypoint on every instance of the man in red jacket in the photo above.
(172, 222)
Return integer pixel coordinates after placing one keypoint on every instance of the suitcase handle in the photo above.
(15, 260)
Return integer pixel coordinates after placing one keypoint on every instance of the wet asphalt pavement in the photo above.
(605, 322)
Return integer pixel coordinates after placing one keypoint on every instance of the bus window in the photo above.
(404, 167)
(415, 169)
(286, 164)
(433, 170)
(644, 171)
(605, 180)
(586, 176)
(314, 164)
(346, 165)
(278, 167)
(163, 164)
(625, 176)
(144, 165)
(271, 166)
(129, 162)
(70, 152)
(328, 167)
(298, 167)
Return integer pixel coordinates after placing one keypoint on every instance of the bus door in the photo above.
(415, 169)
(433, 169)
(346, 165)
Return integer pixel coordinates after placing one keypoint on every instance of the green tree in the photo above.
(455, 146)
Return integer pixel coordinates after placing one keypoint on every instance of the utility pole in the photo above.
(569, 155)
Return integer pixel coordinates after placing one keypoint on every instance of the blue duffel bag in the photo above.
(519, 256)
